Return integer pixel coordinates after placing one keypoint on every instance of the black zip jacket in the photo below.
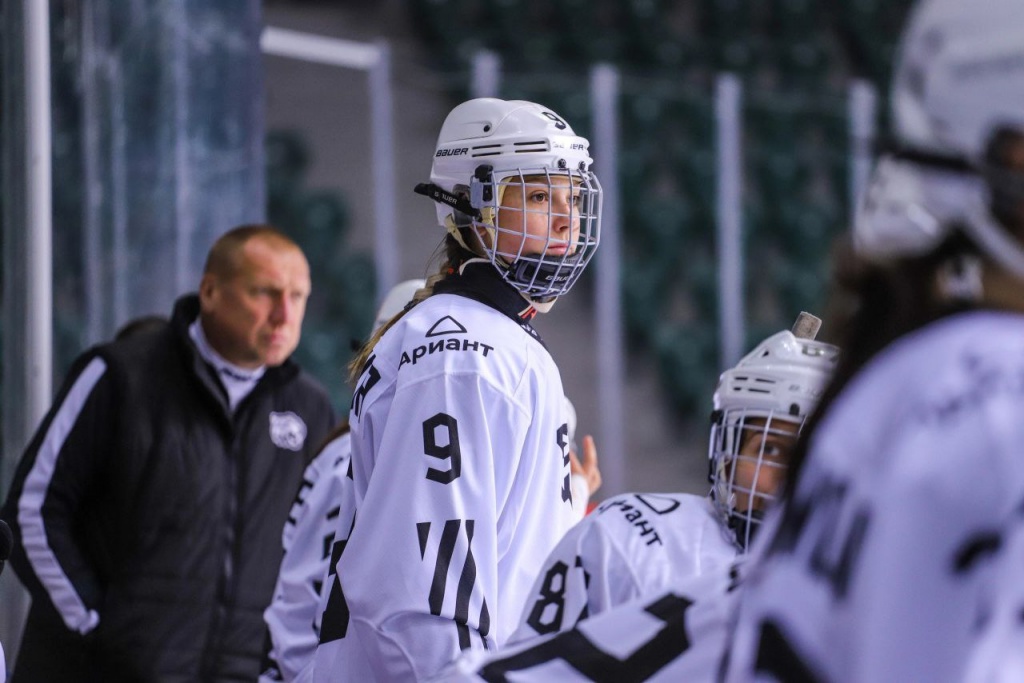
(147, 518)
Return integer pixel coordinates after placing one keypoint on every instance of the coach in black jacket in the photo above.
(147, 509)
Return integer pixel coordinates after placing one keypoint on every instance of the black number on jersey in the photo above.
(300, 499)
(334, 625)
(777, 658)
(562, 439)
(579, 652)
(367, 379)
(328, 547)
(552, 599)
(552, 594)
(449, 451)
(450, 536)
(835, 543)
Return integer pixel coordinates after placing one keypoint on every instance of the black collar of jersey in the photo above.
(478, 280)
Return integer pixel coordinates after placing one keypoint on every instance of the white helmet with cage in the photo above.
(959, 80)
(763, 400)
(488, 147)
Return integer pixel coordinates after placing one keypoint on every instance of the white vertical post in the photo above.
(486, 74)
(39, 208)
(604, 88)
(729, 203)
(37, 303)
(375, 59)
(863, 105)
(387, 246)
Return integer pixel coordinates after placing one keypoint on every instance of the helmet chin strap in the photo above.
(538, 268)
(539, 306)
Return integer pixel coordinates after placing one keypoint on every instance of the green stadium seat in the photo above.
(803, 287)
(736, 56)
(724, 20)
(779, 177)
(323, 223)
(582, 39)
(643, 299)
(807, 230)
(702, 282)
(770, 122)
(660, 222)
(355, 277)
(805, 64)
(693, 115)
(436, 19)
(688, 365)
(286, 157)
(635, 174)
(697, 171)
(641, 115)
(794, 20)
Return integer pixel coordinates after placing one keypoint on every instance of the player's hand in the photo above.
(588, 468)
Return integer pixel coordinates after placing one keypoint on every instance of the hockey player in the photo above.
(643, 586)
(639, 543)
(293, 619)
(460, 456)
(877, 565)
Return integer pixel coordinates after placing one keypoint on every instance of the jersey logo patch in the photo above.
(446, 325)
(287, 430)
(660, 504)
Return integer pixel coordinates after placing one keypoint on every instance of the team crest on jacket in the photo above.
(287, 430)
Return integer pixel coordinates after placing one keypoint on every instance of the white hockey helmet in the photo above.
(959, 79)
(769, 393)
(398, 297)
(487, 146)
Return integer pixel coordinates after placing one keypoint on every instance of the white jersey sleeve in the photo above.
(293, 617)
(631, 545)
(876, 569)
(580, 495)
(462, 488)
(675, 635)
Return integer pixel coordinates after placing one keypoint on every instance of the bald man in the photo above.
(148, 507)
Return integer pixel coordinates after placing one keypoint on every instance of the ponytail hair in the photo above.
(454, 256)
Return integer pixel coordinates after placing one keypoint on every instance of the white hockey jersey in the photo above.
(461, 479)
(674, 635)
(877, 568)
(293, 617)
(631, 545)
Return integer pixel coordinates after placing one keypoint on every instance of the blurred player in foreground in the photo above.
(879, 565)
(460, 452)
(610, 575)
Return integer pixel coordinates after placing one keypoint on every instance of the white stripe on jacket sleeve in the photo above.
(69, 604)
